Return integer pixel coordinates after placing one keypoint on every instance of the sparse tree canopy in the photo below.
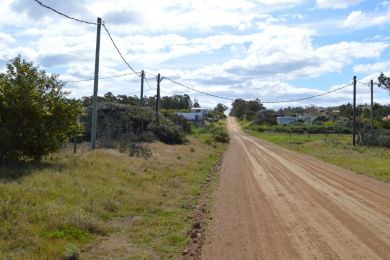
(220, 108)
(384, 82)
(36, 118)
(196, 103)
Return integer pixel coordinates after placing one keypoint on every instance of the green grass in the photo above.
(370, 161)
(71, 201)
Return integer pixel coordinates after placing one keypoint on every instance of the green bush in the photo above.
(221, 136)
(180, 121)
(218, 133)
(36, 118)
(167, 132)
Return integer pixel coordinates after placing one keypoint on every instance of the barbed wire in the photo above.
(119, 52)
(62, 14)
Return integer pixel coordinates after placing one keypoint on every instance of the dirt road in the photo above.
(272, 203)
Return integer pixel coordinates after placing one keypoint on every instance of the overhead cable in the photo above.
(193, 89)
(119, 52)
(62, 14)
(304, 98)
(108, 77)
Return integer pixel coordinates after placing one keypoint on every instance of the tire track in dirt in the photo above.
(273, 203)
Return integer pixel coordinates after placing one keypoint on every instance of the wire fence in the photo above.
(374, 137)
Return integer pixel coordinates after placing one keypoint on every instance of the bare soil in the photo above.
(272, 203)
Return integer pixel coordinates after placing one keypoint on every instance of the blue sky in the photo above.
(268, 49)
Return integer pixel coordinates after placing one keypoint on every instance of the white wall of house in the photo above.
(193, 116)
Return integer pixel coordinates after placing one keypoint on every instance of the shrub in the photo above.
(221, 136)
(36, 118)
(167, 132)
(181, 122)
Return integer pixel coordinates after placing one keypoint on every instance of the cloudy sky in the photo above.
(268, 49)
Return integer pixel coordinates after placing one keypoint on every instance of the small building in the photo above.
(387, 118)
(286, 120)
(197, 115)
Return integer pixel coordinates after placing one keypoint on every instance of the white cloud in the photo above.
(372, 68)
(359, 19)
(225, 47)
(288, 53)
(336, 4)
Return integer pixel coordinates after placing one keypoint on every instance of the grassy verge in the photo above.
(62, 205)
(370, 161)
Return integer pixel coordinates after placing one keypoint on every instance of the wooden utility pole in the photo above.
(158, 98)
(354, 112)
(142, 87)
(95, 85)
(372, 104)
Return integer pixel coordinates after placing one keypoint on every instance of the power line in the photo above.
(119, 52)
(173, 81)
(364, 83)
(199, 91)
(58, 12)
(108, 77)
(147, 81)
(310, 97)
(264, 102)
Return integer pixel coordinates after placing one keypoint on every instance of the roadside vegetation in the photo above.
(325, 133)
(327, 146)
(70, 201)
(134, 198)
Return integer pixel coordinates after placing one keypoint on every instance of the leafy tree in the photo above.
(220, 108)
(384, 81)
(254, 105)
(248, 109)
(346, 110)
(196, 103)
(36, 118)
(238, 108)
(176, 102)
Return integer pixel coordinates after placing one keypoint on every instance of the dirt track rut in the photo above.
(272, 203)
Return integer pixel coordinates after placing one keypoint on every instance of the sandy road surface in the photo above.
(272, 203)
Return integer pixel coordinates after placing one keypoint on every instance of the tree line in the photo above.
(38, 118)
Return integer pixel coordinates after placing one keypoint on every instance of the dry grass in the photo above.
(69, 202)
(370, 161)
